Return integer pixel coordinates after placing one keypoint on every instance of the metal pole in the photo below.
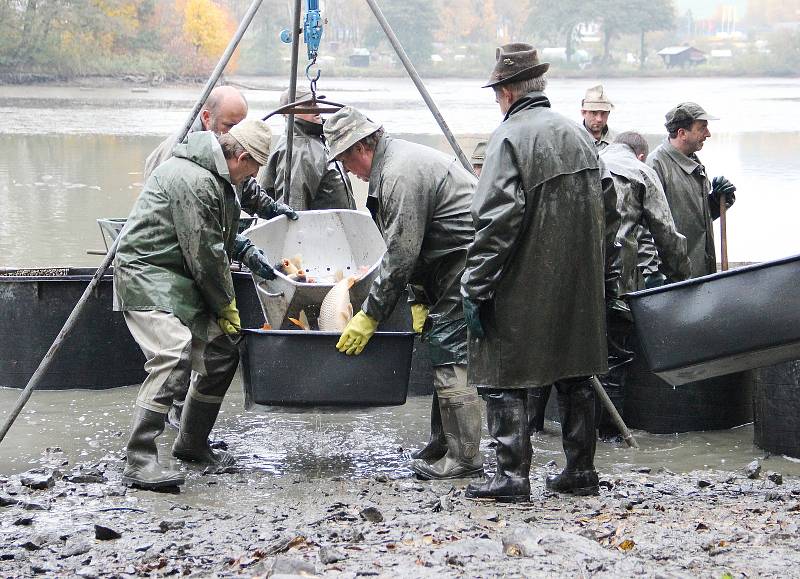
(609, 407)
(217, 72)
(56, 345)
(401, 53)
(41, 370)
(287, 169)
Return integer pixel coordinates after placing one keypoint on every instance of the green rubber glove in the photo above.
(228, 320)
(472, 316)
(356, 334)
(419, 313)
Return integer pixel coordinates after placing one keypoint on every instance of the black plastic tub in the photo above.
(298, 368)
(776, 408)
(420, 383)
(99, 353)
(721, 323)
(247, 300)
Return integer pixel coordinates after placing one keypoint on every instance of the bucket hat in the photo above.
(345, 128)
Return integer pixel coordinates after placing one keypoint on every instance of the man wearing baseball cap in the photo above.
(533, 284)
(173, 283)
(420, 199)
(693, 199)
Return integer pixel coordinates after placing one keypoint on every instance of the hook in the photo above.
(308, 72)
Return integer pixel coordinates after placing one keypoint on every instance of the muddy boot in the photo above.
(142, 468)
(537, 402)
(174, 414)
(576, 406)
(437, 444)
(191, 443)
(461, 422)
(507, 419)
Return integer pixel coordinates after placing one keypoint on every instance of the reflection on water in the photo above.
(315, 443)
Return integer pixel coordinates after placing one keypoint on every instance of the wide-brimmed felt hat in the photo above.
(255, 136)
(596, 100)
(516, 62)
(345, 128)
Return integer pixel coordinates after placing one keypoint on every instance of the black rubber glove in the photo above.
(655, 279)
(720, 185)
(256, 200)
(246, 252)
(281, 209)
(472, 315)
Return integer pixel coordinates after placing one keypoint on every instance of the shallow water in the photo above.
(323, 443)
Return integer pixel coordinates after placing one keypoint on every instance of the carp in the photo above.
(336, 309)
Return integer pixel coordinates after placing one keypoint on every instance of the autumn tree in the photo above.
(208, 28)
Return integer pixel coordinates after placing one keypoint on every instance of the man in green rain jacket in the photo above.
(173, 282)
(533, 285)
(419, 198)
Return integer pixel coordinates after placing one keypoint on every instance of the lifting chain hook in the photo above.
(314, 80)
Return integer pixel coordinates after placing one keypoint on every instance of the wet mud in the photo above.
(327, 492)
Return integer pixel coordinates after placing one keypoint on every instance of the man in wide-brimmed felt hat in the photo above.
(533, 285)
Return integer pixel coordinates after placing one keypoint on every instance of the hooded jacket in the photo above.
(420, 200)
(174, 251)
(317, 183)
(536, 266)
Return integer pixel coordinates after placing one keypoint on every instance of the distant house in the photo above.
(682, 56)
(359, 57)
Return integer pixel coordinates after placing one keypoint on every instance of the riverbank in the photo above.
(648, 521)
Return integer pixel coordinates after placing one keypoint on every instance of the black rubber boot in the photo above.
(142, 468)
(576, 406)
(191, 444)
(537, 402)
(461, 422)
(507, 419)
(437, 443)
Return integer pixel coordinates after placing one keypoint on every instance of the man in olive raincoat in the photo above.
(693, 199)
(533, 285)
(173, 282)
(224, 108)
(640, 201)
(317, 181)
(420, 199)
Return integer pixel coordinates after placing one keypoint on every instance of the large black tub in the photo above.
(303, 368)
(776, 408)
(99, 353)
(722, 323)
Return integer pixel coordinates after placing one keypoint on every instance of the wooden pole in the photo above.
(723, 230)
(609, 407)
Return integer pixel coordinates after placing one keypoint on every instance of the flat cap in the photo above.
(596, 100)
(345, 128)
(687, 112)
(479, 154)
(255, 136)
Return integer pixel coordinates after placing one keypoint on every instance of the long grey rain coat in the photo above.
(174, 251)
(536, 265)
(420, 199)
(640, 198)
(687, 187)
(317, 183)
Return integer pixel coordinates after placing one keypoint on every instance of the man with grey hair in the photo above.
(317, 182)
(640, 201)
(420, 199)
(533, 285)
(693, 199)
(173, 282)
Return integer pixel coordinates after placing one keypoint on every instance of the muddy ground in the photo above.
(360, 518)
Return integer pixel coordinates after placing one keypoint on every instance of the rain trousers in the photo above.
(317, 183)
(420, 200)
(687, 187)
(174, 251)
(536, 266)
(640, 198)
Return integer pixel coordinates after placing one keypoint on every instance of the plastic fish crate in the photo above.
(721, 323)
(303, 368)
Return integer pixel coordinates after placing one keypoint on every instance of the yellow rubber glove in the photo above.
(228, 320)
(419, 313)
(356, 334)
